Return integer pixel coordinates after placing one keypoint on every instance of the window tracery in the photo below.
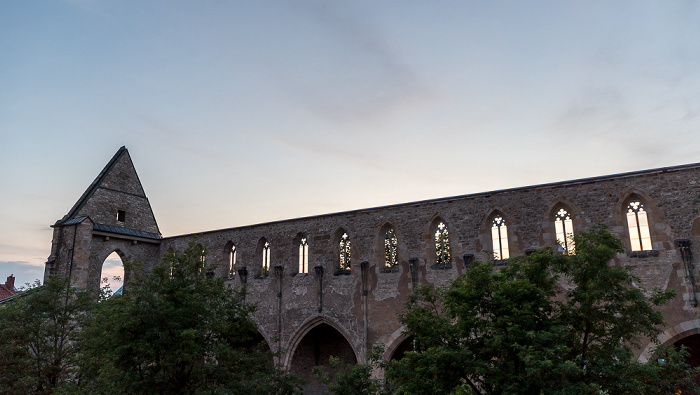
(344, 258)
(232, 262)
(442, 245)
(565, 232)
(266, 259)
(391, 250)
(499, 238)
(638, 226)
(303, 256)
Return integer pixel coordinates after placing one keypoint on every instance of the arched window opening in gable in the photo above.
(266, 259)
(232, 262)
(344, 252)
(638, 226)
(442, 245)
(565, 232)
(112, 275)
(499, 238)
(391, 249)
(303, 256)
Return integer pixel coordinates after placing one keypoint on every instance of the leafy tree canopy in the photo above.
(543, 324)
(36, 332)
(177, 329)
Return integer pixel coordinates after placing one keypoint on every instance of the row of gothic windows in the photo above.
(637, 223)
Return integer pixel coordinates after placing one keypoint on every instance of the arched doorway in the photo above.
(112, 274)
(405, 346)
(692, 346)
(315, 349)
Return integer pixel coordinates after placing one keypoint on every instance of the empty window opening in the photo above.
(499, 238)
(266, 259)
(345, 252)
(303, 256)
(638, 226)
(442, 245)
(232, 262)
(121, 215)
(565, 232)
(112, 275)
(391, 249)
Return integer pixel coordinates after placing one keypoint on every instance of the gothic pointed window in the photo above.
(565, 232)
(266, 259)
(344, 252)
(303, 256)
(232, 262)
(442, 245)
(638, 226)
(391, 249)
(499, 238)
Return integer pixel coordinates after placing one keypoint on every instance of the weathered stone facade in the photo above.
(326, 310)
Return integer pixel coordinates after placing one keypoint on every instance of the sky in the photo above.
(244, 112)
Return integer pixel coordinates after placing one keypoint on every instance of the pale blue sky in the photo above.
(240, 112)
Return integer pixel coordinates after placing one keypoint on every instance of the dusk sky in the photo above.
(242, 112)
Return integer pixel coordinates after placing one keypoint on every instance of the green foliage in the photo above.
(177, 330)
(516, 331)
(343, 379)
(37, 333)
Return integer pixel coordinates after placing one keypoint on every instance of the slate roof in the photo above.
(126, 231)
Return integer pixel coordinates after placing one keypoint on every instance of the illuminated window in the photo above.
(391, 250)
(266, 259)
(345, 252)
(303, 256)
(232, 262)
(565, 232)
(442, 245)
(499, 237)
(638, 226)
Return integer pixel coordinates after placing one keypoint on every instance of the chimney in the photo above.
(10, 283)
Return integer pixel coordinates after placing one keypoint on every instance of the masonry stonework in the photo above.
(327, 311)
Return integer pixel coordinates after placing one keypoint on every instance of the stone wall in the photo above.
(360, 306)
(671, 198)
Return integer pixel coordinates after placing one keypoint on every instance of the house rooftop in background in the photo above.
(8, 289)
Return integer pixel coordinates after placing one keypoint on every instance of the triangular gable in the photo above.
(93, 187)
(115, 198)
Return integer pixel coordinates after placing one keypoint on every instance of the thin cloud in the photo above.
(366, 80)
(327, 150)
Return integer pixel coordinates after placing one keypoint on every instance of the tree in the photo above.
(517, 331)
(37, 333)
(343, 379)
(178, 330)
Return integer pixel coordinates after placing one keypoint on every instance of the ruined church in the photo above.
(332, 284)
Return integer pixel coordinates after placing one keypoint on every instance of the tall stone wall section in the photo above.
(291, 304)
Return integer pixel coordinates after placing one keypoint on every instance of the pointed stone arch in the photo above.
(388, 256)
(113, 274)
(227, 268)
(443, 259)
(395, 342)
(549, 236)
(312, 345)
(261, 267)
(671, 336)
(642, 202)
(509, 237)
(301, 243)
